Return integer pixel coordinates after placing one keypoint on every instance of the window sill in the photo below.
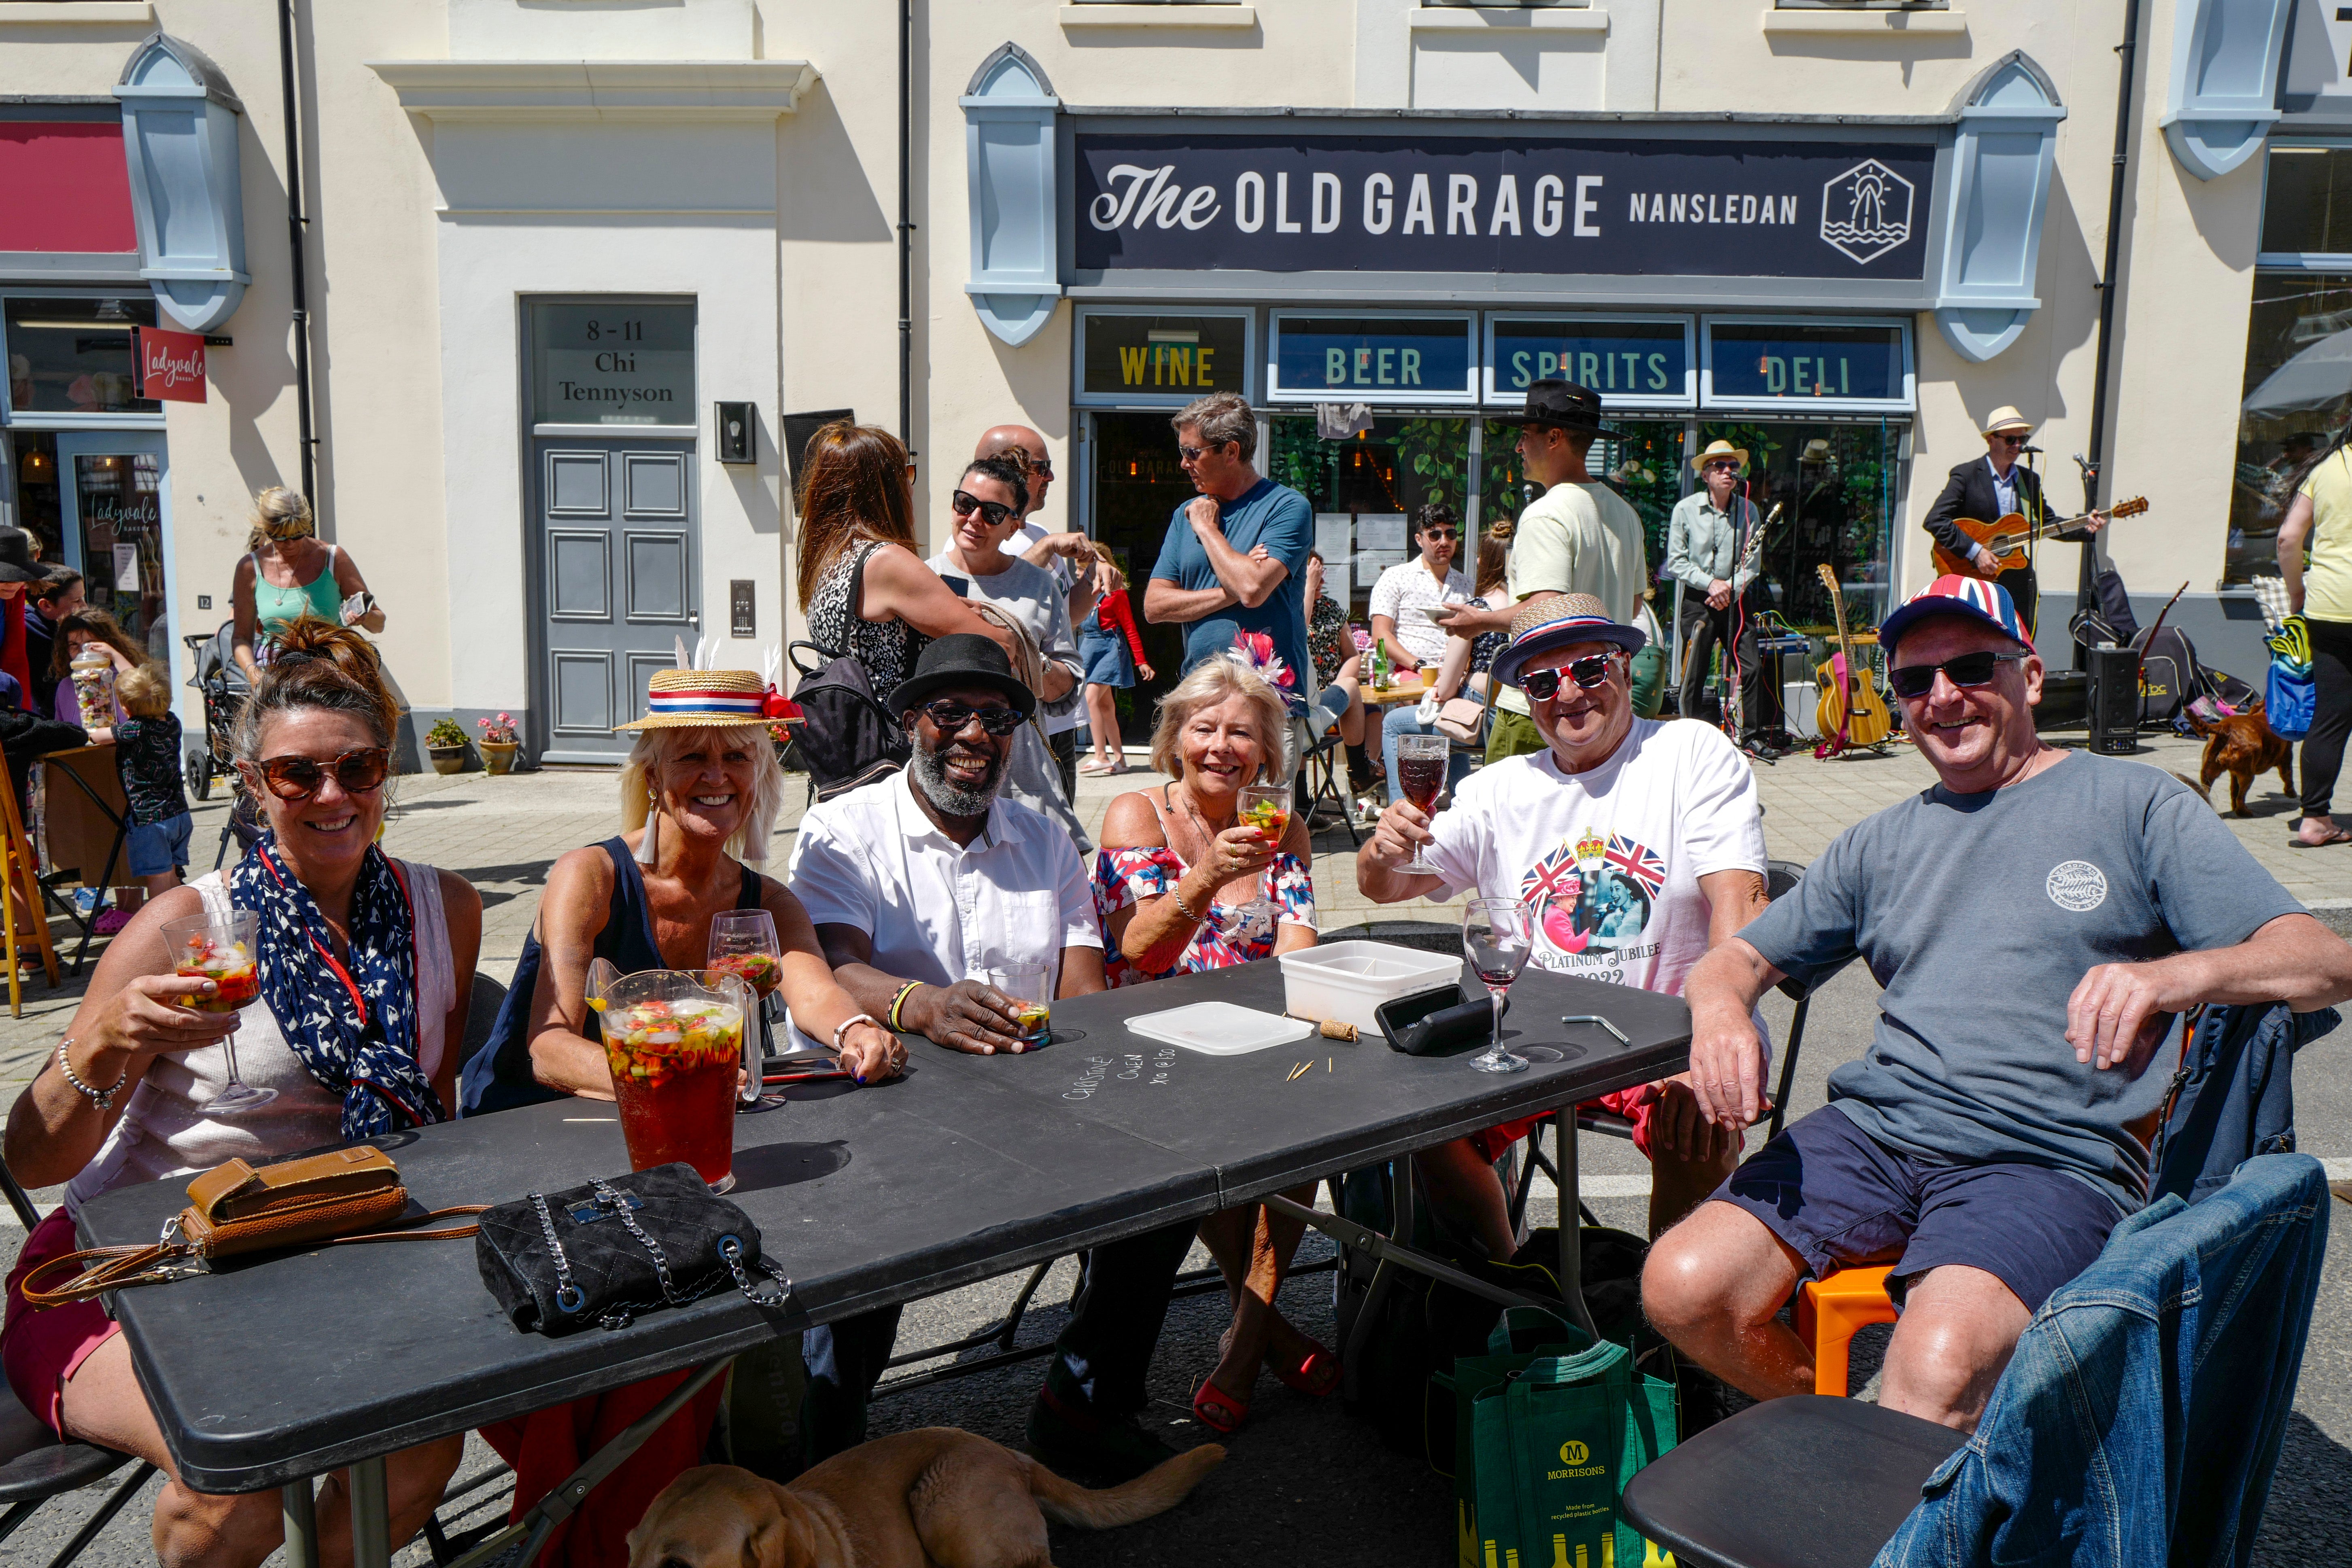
(1500, 20)
(1867, 23)
(75, 13)
(1168, 17)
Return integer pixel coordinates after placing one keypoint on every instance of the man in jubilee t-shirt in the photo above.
(2038, 918)
(1637, 846)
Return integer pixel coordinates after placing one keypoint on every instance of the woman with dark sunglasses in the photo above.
(365, 966)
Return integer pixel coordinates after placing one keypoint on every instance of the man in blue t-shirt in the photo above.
(1237, 553)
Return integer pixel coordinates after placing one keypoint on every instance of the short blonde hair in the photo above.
(280, 513)
(1209, 682)
(143, 692)
(749, 842)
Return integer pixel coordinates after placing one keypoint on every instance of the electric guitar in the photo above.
(1850, 711)
(2006, 540)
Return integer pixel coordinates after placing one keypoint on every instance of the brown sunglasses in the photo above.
(299, 778)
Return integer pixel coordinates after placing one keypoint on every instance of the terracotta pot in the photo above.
(499, 756)
(448, 758)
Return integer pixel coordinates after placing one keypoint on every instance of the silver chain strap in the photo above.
(614, 1203)
(568, 1297)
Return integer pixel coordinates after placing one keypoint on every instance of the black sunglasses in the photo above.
(993, 513)
(951, 717)
(1439, 533)
(1912, 681)
(2010, 440)
(299, 778)
(1588, 672)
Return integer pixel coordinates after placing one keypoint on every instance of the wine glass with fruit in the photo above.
(1265, 807)
(744, 944)
(221, 948)
(1421, 770)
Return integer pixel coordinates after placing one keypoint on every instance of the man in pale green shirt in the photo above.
(1578, 537)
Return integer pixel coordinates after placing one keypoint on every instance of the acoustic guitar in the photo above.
(2006, 540)
(1851, 712)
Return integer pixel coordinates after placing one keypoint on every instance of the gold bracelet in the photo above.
(900, 1000)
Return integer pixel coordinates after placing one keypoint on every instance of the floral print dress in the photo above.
(1124, 876)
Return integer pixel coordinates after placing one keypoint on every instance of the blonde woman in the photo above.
(1111, 648)
(1172, 882)
(285, 574)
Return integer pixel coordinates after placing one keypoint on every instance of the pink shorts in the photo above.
(1491, 1143)
(40, 1349)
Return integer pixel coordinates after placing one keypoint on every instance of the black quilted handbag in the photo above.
(605, 1252)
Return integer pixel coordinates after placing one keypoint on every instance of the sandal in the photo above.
(1317, 1375)
(2298, 841)
(1218, 1411)
(1092, 767)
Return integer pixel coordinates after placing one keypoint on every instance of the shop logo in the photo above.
(1866, 211)
(1573, 1452)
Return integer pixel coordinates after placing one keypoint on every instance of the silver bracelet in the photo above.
(102, 1098)
(844, 1025)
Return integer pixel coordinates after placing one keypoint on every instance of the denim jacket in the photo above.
(2234, 1096)
(2141, 1417)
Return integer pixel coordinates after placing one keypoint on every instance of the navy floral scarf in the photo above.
(352, 1025)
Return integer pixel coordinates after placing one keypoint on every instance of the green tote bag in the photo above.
(1556, 1444)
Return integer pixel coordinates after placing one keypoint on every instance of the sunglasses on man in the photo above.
(951, 717)
(2008, 440)
(299, 778)
(1589, 672)
(1912, 681)
(991, 513)
(1192, 454)
(1439, 533)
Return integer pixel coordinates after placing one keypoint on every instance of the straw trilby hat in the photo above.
(1720, 449)
(702, 699)
(2006, 418)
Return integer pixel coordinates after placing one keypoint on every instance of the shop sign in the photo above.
(1372, 359)
(1152, 358)
(613, 362)
(1656, 207)
(1825, 365)
(1632, 363)
(171, 365)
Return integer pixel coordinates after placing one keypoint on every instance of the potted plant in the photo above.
(498, 743)
(446, 743)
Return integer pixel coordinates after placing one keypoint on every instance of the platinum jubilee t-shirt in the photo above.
(1979, 914)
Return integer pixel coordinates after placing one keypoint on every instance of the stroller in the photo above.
(221, 682)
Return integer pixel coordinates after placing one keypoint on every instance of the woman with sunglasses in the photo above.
(365, 964)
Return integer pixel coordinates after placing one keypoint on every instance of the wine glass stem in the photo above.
(228, 1048)
(1495, 995)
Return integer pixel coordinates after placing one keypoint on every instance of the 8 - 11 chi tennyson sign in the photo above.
(1532, 204)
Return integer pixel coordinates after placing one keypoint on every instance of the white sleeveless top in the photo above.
(163, 1134)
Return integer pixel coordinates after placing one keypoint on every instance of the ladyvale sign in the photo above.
(1594, 207)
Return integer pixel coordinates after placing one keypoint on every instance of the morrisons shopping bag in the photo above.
(1556, 1444)
(1544, 1335)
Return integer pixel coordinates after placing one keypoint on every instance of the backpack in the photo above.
(2169, 675)
(846, 738)
(2109, 619)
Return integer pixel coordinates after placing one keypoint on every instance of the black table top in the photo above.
(283, 1366)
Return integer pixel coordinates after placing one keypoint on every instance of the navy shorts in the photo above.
(160, 846)
(1839, 1198)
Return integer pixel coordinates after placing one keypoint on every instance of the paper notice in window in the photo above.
(126, 568)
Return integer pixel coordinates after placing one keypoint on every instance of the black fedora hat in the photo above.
(16, 562)
(1562, 404)
(964, 658)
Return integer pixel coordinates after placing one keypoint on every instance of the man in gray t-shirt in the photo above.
(2039, 920)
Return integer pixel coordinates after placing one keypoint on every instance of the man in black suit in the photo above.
(1987, 489)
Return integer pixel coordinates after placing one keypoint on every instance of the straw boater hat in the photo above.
(1548, 621)
(1720, 449)
(702, 699)
(2006, 418)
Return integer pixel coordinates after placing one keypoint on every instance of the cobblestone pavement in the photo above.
(1304, 1483)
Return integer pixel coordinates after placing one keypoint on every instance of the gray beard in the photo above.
(930, 773)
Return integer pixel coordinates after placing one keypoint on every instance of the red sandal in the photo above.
(1218, 1411)
(1316, 1375)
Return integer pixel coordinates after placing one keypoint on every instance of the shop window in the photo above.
(1834, 484)
(1373, 359)
(1644, 465)
(1131, 357)
(1633, 363)
(1366, 488)
(117, 497)
(613, 362)
(1800, 364)
(2307, 201)
(39, 510)
(74, 356)
(2297, 397)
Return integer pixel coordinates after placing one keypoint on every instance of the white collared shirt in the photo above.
(1406, 593)
(2004, 488)
(938, 911)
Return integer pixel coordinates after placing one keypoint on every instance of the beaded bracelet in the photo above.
(102, 1098)
(900, 1000)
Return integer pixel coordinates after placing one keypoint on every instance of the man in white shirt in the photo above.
(916, 881)
(1578, 537)
(1057, 554)
(1637, 846)
(1402, 600)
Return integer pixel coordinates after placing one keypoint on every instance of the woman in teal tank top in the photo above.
(288, 574)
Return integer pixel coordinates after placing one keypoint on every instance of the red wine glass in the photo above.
(1497, 934)
(1421, 770)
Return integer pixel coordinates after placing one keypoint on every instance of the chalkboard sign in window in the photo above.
(1825, 365)
(1630, 364)
(1133, 357)
(613, 362)
(1373, 359)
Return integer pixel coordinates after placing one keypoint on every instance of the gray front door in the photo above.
(617, 546)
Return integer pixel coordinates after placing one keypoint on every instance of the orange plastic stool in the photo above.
(1830, 1311)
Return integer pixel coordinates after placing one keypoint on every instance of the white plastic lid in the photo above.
(1219, 1028)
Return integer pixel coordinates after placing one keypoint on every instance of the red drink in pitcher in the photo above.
(674, 1066)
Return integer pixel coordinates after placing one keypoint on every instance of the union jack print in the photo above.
(1637, 862)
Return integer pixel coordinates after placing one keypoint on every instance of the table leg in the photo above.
(1571, 1225)
(301, 1524)
(371, 1515)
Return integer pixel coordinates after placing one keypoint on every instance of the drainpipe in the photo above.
(295, 223)
(2129, 51)
(906, 228)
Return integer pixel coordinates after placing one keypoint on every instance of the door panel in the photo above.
(656, 484)
(657, 582)
(575, 484)
(578, 574)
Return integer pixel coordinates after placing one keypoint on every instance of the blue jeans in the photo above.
(1399, 720)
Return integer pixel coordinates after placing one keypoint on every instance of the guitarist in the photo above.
(1708, 551)
(1987, 489)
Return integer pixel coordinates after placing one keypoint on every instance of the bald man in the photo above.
(1056, 552)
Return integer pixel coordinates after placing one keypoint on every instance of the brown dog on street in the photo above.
(2241, 745)
(937, 1494)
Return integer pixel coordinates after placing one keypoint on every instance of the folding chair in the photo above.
(1322, 765)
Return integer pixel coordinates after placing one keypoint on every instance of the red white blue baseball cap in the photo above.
(1549, 621)
(1952, 595)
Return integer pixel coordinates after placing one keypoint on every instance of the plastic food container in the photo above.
(1346, 980)
(1218, 1028)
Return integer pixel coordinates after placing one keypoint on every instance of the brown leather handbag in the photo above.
(236, 1208)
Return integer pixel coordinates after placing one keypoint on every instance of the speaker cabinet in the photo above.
(2114, 700)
